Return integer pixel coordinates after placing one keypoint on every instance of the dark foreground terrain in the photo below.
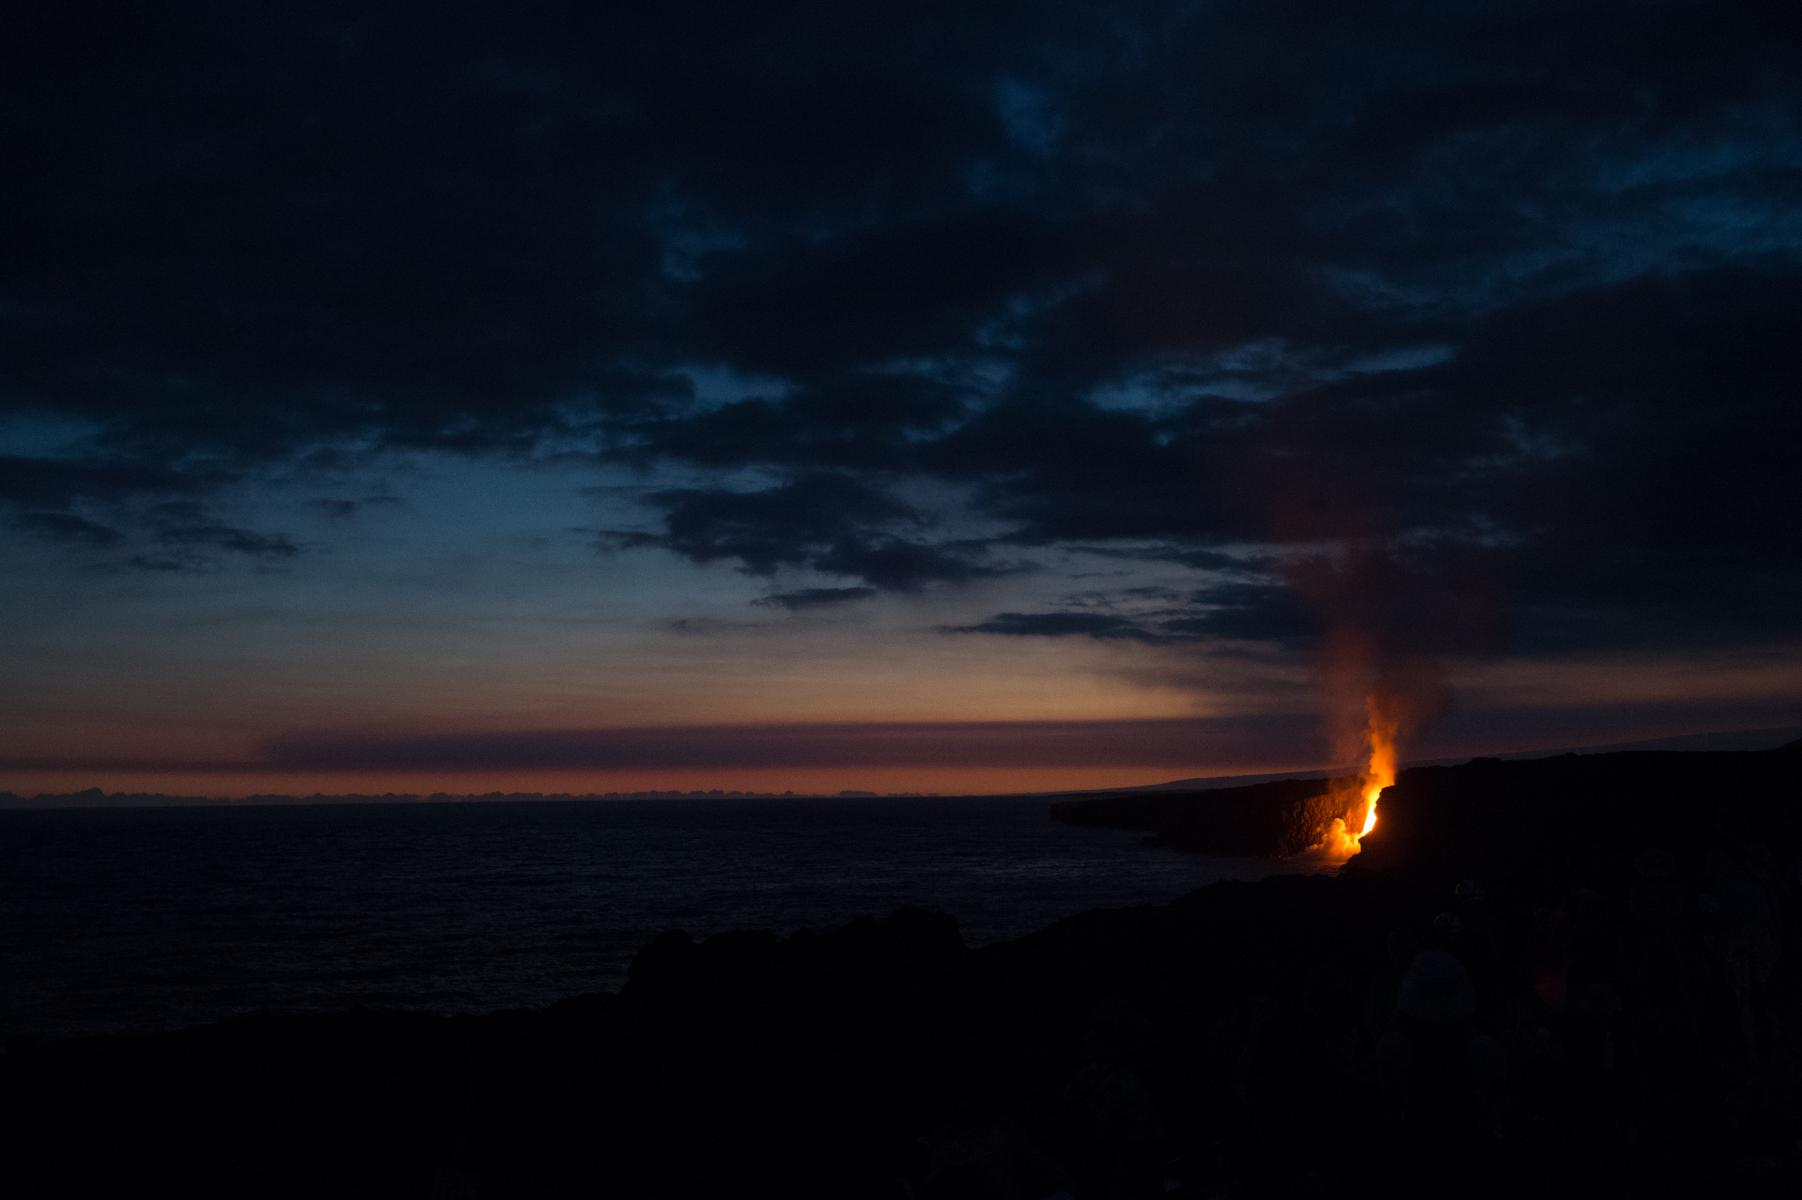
(1564, 976)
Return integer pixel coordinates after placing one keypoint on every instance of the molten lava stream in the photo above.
(1340, 842)
(1371, 792)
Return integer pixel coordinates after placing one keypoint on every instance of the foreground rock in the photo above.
(1576, 975)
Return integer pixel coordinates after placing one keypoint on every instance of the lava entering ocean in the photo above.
(1380, 727)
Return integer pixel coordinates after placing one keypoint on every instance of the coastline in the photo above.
(1635, 980)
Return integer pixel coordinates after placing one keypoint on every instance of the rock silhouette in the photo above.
(1274, 819)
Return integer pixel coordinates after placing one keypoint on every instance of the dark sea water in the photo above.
(116, 920)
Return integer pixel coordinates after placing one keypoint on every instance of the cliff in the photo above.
(1263, 820)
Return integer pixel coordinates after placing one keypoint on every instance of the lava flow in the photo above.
(1380, 726)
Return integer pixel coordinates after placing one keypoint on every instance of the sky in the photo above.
(936, 397)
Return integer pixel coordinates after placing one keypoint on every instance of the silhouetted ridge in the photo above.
(1278, 818)
(1486, 806)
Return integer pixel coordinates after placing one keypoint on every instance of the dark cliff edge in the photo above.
(1559, 976)
(1273, 819)
(1485, 807)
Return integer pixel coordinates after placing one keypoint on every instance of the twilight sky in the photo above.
(940, 397)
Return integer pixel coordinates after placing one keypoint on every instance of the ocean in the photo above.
(144, 919)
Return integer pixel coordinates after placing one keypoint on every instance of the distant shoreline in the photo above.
(96, 798)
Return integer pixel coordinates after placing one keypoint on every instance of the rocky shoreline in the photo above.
(1558, 975)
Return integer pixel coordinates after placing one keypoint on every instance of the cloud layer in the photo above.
(1470, 325)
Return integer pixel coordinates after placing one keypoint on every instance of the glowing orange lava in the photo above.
(1380, 726)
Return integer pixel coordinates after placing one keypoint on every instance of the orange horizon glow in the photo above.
(956, 781)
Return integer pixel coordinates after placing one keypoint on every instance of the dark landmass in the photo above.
(1728, 739)
(1207, 783)
(1438, 810)
(1278, 818)
(1564, 976)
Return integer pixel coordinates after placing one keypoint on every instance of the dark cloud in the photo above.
(64, 481)
(1247, 611)
(176, 563)
(67, 527)
(894, 291)
(247, 542)
(825, 522)
(1198, 558)
(1622, 448)
(1057, 624)
(343, 507)
(1498, 295)
(858, 420)
(195, 548)
(1071, 470)
(810, 598)
(1242, 612)
(901, 565)
(785, 525)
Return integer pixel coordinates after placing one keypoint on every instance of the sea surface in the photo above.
(139, 919)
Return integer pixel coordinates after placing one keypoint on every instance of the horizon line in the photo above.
(1776, 736)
